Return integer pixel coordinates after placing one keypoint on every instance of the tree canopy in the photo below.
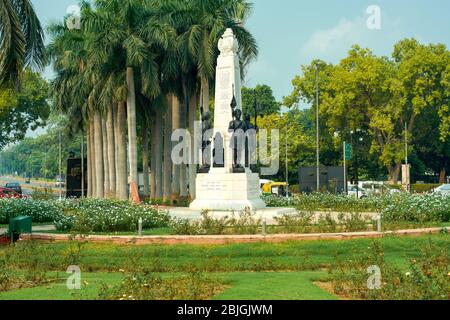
(23, 110)
(381, 97)
(262, 96)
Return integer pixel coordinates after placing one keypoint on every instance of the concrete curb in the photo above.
(144, 240)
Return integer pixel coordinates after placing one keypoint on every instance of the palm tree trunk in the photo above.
(111, 151)
(89, 163)
(175, 168)
(131, 113)
(183, 171)
(145, 167)
(153, 162)
(167, 151)
(205, 94)
(105, 159)
(159, 155)
(116, 145)
(121, 141)
(192, 150)
(99, 174)
(93, 171)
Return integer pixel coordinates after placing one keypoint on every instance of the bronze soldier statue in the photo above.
(206, 142)
(237, 127)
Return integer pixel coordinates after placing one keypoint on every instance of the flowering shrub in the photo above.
(94, 214)
(394, 207)
(39, 210)
(420, 208)
(427, 277)
(110, 215)
(146, 286)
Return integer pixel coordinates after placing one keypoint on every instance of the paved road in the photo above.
(28, 188)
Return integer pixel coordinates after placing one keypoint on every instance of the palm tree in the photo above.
(22, 40)
(133, 26)
(68, 54)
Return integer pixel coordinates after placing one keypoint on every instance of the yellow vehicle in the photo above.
(276, 188)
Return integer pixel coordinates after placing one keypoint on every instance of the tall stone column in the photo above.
(221, 189)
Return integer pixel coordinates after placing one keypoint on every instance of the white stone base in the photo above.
(268, 214)
(220, 191)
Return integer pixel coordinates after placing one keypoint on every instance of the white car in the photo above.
(444, 190)
(356, 192)
(376, 188)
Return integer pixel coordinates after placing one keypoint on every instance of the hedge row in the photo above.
(93, 214)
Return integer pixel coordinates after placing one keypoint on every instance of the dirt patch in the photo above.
(228, 239)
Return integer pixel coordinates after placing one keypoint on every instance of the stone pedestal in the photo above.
(228, 192)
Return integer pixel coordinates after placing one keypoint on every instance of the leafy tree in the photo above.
(262, 95)
(379, 96)
(39, 157)
(300, 145)
(23, 110)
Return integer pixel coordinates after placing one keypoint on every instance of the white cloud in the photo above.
(325, 44)
(332, 44)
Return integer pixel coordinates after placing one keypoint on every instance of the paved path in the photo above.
(145, 240)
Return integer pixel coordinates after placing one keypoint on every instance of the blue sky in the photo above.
(293, 32)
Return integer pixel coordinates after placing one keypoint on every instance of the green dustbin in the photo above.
(19, 225)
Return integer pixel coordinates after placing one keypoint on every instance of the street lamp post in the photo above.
(317, 129)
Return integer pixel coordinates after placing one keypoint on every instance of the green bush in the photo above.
(394, 207)
(423, 188)
(425, 279)
(146, 286)
(39, 210)
(96, 215)
(110, 215)
(244, 223)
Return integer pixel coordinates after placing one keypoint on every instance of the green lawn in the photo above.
(274, 286)
(240, 286)
(251, 271)
(292, 256)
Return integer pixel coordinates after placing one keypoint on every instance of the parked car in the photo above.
(376, 188)
(444, 189)
(9, 193)
(356, 192)
(15, 186)
(276, 188)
